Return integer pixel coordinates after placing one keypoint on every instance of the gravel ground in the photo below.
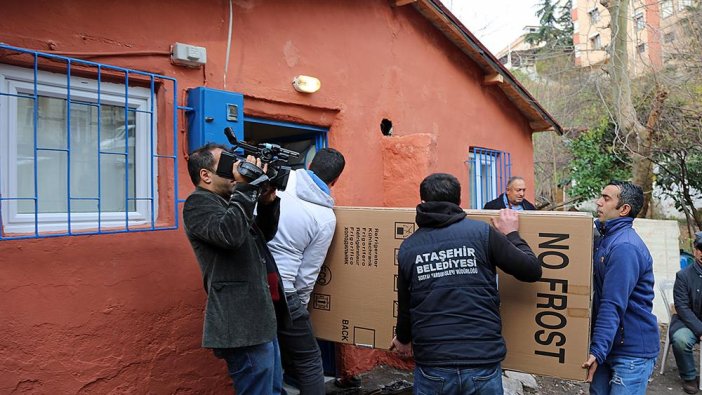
(668, 383)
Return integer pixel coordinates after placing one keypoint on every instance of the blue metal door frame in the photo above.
(317, 132)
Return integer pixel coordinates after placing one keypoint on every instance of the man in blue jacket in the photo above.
(624, 340)
(448, 304)
(686, 324)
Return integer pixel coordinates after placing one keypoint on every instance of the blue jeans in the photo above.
(300, 352)
(683, 340)
(622, 376)
(254, 369)
(464, 381)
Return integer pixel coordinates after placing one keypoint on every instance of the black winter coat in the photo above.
(499, 203)
(687, 294)
(448, 304)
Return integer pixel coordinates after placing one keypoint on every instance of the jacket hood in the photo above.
(438, 214)
(307, 190)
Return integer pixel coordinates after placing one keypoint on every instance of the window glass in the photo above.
(596, 42)
(594, 15)
(489, 171)
(666, 8)
(639, 21)
(52, 157)
(86, 162)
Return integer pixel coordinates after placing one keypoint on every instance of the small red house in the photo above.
(99, 102)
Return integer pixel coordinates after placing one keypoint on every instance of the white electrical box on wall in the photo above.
(188, 55)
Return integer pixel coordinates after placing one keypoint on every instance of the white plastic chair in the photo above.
(666, 287)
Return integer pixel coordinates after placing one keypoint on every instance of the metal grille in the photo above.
(112, 125)
(489, 172)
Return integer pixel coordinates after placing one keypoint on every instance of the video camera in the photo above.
(273, 154)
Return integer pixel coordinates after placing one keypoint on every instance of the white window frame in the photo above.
(14, 80)
(683, 4)
(639, 21)
(666, 8)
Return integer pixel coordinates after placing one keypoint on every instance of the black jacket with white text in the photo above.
(448, 304)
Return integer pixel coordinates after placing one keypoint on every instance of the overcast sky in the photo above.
(496, 23)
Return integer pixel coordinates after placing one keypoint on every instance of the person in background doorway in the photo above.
(305, 231)
(238, 271)
(686, 324)
(513, 198)
(624, 340)
(449, 317)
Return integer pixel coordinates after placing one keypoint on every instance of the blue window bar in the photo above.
(489, 172)
(81, 105)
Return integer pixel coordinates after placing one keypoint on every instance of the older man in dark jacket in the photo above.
(239, 274)
(512, 198)
(686, 325)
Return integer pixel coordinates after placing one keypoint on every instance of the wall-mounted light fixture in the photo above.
(306, 84)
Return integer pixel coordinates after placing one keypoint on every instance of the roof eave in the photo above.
(442, 18)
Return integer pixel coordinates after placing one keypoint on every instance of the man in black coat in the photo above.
(239, 274)
(686, 325)
(513, 198)
(448, 303)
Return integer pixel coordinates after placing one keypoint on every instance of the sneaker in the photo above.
(348, 382)
(397, 387)
(690, 387)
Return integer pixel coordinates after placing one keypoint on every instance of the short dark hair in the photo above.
(202, 158)
(440, 187)
(328, 164)
(698, 240)
(630, 194)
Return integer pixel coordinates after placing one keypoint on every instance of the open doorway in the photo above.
(301, 138)
(306, 140)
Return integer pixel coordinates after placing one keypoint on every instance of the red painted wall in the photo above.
(653, 31)
(122, 313)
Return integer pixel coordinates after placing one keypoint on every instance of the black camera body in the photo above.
(274, 155)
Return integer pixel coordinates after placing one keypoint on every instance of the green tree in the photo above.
(555, 25)
(677, 155)
(595, 162)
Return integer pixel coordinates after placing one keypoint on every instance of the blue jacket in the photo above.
(623, 324)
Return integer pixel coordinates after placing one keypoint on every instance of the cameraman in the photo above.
(239, 274)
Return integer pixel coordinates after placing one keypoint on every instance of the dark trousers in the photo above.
(300, 354)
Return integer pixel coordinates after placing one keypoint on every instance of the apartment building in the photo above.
(520, 54)
(674, 27)
(654, 32)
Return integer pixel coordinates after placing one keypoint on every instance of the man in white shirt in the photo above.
(305, 230)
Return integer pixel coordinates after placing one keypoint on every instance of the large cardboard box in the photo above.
(546, 324)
